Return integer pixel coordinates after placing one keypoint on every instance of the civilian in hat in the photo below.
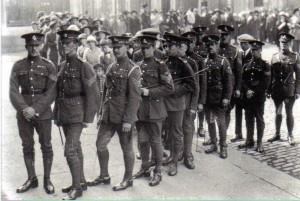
(119, 112)
(88, 30)
(145, 17)
(283, 25)
(156, 84)
(215, 20)
(235, 60)
(76, 84)
(135, 23)
(82, 38)
(98, 23)
(93, 53)
(101, 34)
(176, 102)
(285, 84)
(84, 21)
(256, 79)
(51, 43)
(35, 26)
(36, 77)
(246, 53)
(200, 47)
(217, 94)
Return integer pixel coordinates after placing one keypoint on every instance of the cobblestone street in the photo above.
(246, 174)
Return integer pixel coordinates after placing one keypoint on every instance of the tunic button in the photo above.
(109, 97)
(32, 95)
(64, 80)
(31, 87)
(31, 69)
(31, 78)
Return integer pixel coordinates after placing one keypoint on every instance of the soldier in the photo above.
(156, 84)
(246, 57)
(119, 112)
(75, 107)
(285, 84)
(184, 83)
(191, 104)
(219, 91)
(256, 79)
(36, 77)
(233, 55)
(201, 51)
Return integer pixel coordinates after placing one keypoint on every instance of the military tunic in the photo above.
(256, 77)
(32, 84)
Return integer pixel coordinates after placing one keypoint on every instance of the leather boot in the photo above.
(291, 140)
(123, 185)
(188, 162)
(223, 152)
(156, 179)
(48, 186)
(276, 137)
(213, 148)
(99, 180)
(73, 194)
(30, 183)
(172, 171)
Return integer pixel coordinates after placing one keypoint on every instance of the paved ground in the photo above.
(244, 175)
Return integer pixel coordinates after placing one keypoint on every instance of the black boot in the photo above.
(260, 147)
(123, 185)
(201, 132)
(48, 186)
(223, 152)
(247, 145)
(30, 183)
(291, 140)
(69, 188)
(73, 194)
(143, 172)
(156, 179)
(99, 180)
(188, 162)
(276, 137)
(237, 138)
(172, 171)
(213, 148)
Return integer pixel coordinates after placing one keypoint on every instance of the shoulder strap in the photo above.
(109, 68)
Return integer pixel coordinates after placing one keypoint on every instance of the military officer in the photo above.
(234, 57)
(119, 112)
(158, 54)
(219, 91)
(184, 83)
(191, 103)
(246, 57)
(75, 107)
(285, 84)
(255, 82)
(201, 51)
(32, 90)
(156, 84)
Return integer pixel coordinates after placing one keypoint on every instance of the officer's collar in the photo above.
(148, 59)
(70, 57)
(122, 59)
(35, 58)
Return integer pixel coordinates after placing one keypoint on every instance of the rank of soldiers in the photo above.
(158, 88)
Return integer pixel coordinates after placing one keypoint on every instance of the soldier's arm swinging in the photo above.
(297, 81)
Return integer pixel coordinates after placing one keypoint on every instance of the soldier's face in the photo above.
(257, 53)
(212, 47)
(182, 50)
(69, 47)
(120, 51)
(34, 50)
(225, 38)
(148, 51)
(172, 50)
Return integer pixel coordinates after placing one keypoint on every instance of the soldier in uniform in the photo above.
(233, 55)
(156, 84)
(219, 91)
(75, 107)
(200, 50)
(191, 102)
(36, 77)
(184, 83)
(246, 57)
(119, 112)
(255, 82)
(285, 84)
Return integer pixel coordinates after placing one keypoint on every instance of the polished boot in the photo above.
(30, 183)
(237, 138)
(201, 132)
(123, 185)
(69, 188)
(291, 140)
(99, 180)
(73, 194)
(223, 152)
(142, 173)
(260, 147)
(213, 148)
(172, 171)
(276, 137)
(156, 179)
(48, 186)
(246, 145)
(188, 162)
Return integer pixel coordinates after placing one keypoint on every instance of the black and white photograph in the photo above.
(150, 100)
